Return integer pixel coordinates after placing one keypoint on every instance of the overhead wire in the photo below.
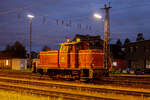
(19, 15)
(129, 7)
(23, 8)
(45, 21)
(57, 23)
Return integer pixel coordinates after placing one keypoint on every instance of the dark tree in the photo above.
(126, 41)
(17, 49)
(118, 42)
(140, 37)
(8, 48)
(46, 48)
(118, 47)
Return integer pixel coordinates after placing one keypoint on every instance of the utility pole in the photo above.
(106, 36)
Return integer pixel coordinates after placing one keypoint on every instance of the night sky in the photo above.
(127, 19)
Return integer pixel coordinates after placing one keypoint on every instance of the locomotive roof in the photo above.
(69, 43)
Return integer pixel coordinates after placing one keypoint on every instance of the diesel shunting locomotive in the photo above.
(74, 61)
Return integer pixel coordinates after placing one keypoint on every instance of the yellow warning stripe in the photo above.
(72, 53)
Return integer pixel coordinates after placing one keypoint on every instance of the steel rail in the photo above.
(113, 80)
(78, 87)
(53, 93)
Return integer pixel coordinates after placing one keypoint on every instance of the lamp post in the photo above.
(106, 35)
(30, 18)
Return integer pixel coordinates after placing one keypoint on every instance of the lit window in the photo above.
(6, 62)
(114, 63)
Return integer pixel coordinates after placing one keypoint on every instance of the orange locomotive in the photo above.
(73, 61)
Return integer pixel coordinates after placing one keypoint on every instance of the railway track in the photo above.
(71, 90)
(111, 78)
(45, 89)
(52, 93)
(22, 75)
(127, 81)
(137, 83)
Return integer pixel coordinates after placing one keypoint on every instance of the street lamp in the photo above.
(30, 18)
(98, 16)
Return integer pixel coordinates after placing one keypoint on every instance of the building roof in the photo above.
(139, 42)
(6, 55)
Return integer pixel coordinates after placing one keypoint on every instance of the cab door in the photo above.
(64, 56)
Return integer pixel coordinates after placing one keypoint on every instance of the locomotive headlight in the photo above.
(78, 39)
(114, 63)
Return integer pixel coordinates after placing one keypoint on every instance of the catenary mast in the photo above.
(106, 36)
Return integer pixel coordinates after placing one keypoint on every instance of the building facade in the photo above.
(8, 62)
(138, 54)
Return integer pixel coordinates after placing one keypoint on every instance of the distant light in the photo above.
(114, 63)
(6, 62)
(30, 16)
(68, 40)
(97, 16)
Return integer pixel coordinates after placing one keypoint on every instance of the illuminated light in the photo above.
(114, 63)
(30, 16)
(6, 62)
(97, 16)
(78, 39)
(68, 40)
